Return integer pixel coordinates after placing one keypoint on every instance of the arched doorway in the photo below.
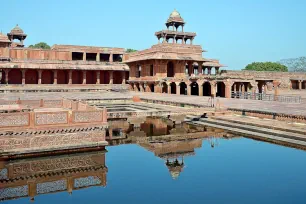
(77, 77)
(14, 76)
(151, 87)
(104, 77)
(62, 77)
(31, 76)
(173, 88)
(170, 69)
(220, 89)
(194, 89)
(47, 77)
(164, 87)
(183, 88)
(91, 77)
(206, 89)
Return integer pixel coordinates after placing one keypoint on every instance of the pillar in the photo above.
(300, 84)
(213, 88)
(32, 189)
(70, 77)
(6, 71)
(39, 76)
(242, 88)
(178, 88)
(84, 56)
(111, 57)
(169, 88)
(209, 70)
(98, 57)
(55, 77)
(265, 88)
(123, 78)
(188, 89)
(190, 68)
(111, 77)
(200, 67)
(147, 88)
(217, 70)
(141, 88)
(23, 72)
(84, 77)
(228, 88)
(97, 77)
(200, 89)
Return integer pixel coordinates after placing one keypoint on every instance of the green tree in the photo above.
(129, 50)
(266, 66)
(295, 64)
(41, 45)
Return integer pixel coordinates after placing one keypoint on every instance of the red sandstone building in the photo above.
(175, 66)
(63, 64)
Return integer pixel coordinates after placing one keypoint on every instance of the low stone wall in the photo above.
(73, 113)
(270, 115)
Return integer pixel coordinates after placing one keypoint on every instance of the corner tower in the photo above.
(17, 33)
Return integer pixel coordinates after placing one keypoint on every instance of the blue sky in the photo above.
(237, 32)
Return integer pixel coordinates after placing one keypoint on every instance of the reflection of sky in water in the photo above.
(236, 171)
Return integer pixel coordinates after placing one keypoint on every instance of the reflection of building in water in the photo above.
(43, 175)
(173, 152)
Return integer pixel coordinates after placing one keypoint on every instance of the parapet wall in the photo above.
(34, 114)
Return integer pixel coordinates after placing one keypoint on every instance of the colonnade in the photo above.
(45, 76)
(195, 87)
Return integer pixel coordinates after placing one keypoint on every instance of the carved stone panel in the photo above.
(51, 118)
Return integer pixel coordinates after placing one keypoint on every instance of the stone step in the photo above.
(302, 132)
(278, 133)
(253, 134)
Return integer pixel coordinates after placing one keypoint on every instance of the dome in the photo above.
(17, 30)
(175, 14)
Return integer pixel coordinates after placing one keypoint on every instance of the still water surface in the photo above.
(239, 170)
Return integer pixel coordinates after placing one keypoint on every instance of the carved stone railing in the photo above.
(267, 97)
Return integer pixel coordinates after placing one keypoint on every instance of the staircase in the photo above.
(280, 135)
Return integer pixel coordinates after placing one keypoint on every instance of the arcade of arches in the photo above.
(194, 87)
(45, 76)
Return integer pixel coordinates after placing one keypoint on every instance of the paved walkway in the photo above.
(271, 106)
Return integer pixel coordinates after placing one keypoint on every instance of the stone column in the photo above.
(300, 84)
(70, 77)
(84, 56)
(141, 88)
(97, 77)
(178, 88)
(190, 68)
(209, 70)
(111, 57)
(23, 72)
(276, 84)
(213, 88)
(6, 71)
(189, 89)
(39, 76)
(123, 78)
(169, 88)
(242, 88)
(200, 85)
(111, 77)
(55, 77)
(217, 70)
(200, 68)
(98, 57)
(228, 89)
(84, 77)
(147, 88)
